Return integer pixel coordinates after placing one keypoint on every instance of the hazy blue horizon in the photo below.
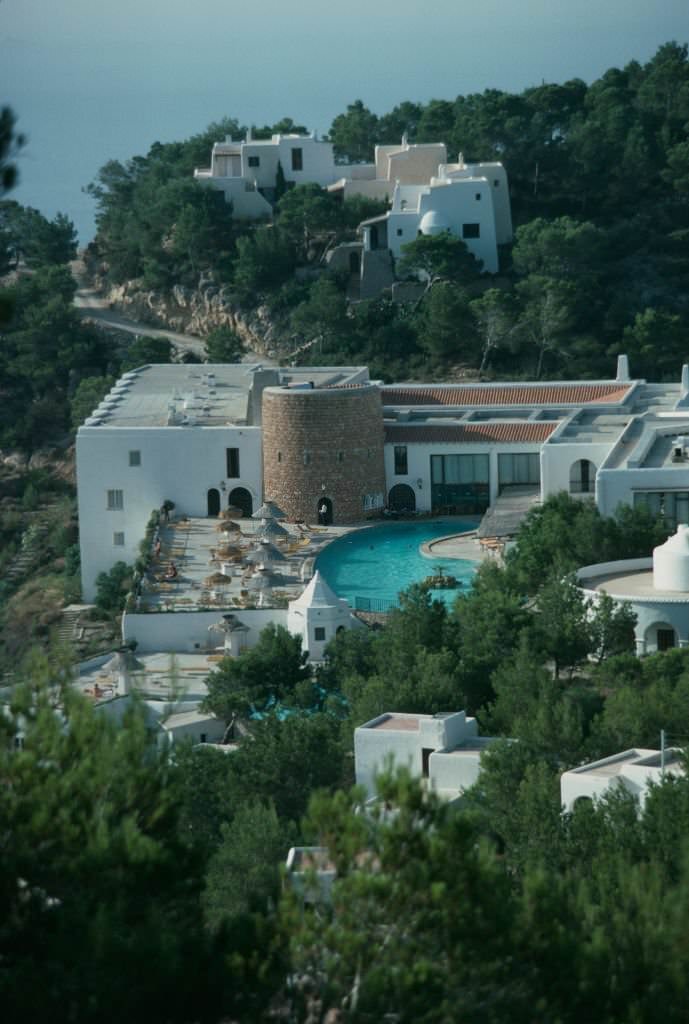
(89, 83)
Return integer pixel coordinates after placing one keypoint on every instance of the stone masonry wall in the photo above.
(332, 437)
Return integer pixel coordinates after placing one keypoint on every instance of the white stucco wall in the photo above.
(617, 486)
(372, 747)
(450, 770)
(188, 631)
(303, 622)
(247, 204)
(652, 613)
(456, 202)
(177, 463)
(496, 176)
(557, 460)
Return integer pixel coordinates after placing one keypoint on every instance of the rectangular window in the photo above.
(459, 483)
(471, 230)
(401, 460)
(400, 232)
(279, 456)
(135, 458)
(496, 182)
(118, 540)
(254, 161)
(115, 501)
(232, 462)
(672, 506)
(518, 468)
(319, 633)
(297, 160)
(478, 196)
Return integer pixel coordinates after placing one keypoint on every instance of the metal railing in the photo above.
(374, 604)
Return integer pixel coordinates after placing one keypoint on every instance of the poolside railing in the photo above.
(375, 604)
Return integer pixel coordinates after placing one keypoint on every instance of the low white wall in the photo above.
(589, 572)
(373, 746)
(188, 631)
(454, 770)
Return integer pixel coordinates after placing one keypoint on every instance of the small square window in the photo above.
(400, 232)
(254, 161)
(297, 160)
(471, 231)
(115, 501)
(319, 633)
(118, 540)
(496, 182)
(135, 458)
(478, 196)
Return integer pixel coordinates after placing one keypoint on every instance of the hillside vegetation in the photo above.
(599, 180)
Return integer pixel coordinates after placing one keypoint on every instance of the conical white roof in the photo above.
(317, 595)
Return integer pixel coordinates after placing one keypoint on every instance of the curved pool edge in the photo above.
(426, 549)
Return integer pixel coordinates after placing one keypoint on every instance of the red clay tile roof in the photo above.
(470, 433)
(488, 394)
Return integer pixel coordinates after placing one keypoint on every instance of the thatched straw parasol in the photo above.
(232, 512)
(228, 551)
(271, 530)
(269, 510)
(217, 579)
(265, 551)
(228, 526)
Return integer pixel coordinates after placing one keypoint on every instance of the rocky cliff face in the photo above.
(197, 311)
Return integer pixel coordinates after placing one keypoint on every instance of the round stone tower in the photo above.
(323, 451)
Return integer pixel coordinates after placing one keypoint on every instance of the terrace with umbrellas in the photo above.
(231, 562)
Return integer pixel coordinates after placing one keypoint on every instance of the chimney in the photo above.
(622, 369)
(684, 389)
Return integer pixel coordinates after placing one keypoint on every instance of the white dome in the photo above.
(433, 223)
(671, 562)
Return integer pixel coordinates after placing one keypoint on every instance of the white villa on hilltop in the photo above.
(428, 195)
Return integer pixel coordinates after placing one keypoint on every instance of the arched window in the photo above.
(213, 498)
(660, 636)
(582, 477)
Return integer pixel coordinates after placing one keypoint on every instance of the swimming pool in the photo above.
(374, 564)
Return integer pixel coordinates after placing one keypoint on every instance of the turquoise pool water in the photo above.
(376, 563)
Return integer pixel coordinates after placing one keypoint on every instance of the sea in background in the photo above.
(93, 82)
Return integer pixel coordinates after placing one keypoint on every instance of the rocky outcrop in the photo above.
(197, 311)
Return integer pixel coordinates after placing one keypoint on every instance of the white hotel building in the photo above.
(194, 435)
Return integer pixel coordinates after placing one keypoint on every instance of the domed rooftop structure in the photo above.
(433, 223)
(671, 562)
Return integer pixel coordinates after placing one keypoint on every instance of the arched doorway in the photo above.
(582, 477)
(402, 498)
(240, 497)
(213, 501)
(325, 511)
(660, 636)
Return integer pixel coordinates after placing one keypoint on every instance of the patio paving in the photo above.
(192, 544)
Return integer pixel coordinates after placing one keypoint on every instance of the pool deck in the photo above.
(458, 545)
(193, 543)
